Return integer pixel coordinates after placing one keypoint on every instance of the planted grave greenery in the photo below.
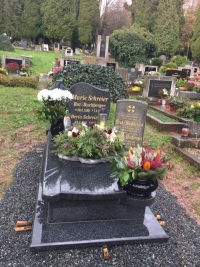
(101, 77)
(160, 116)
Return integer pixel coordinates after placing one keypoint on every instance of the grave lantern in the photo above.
(185, 131)
(102, 117)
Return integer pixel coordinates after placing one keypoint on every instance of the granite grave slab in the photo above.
(88, 209)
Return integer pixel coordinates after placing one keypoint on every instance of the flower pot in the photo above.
(57, 127)
(197, 118)
(174, 109)
(182, 88)
(141, 188)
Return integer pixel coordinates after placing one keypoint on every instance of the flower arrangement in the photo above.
(90, 142)
(3, 71)
(54, 104)
(139, 164)
(177, 102)
(12, 67)
(163, 93)
(180, 82)
(194, 109)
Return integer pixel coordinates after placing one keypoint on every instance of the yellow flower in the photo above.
(192, 106)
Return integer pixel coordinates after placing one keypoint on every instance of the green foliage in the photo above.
(31, 19)
(86, 26)
(166, 29)
(156, 62)
(195, 44)
(177, 102)
(5, 43)
(18, 81)
(101, 77)
(88, 142)
(180, 60)
(59, 18)
(131, 46)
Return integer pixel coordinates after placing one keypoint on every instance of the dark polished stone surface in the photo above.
(80, 205)
(64, 179)
(62, 225)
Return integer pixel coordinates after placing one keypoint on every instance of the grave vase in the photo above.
(140, 188)
(57, 127)
(163, 102)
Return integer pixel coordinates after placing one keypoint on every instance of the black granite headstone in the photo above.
(132, 74)
(130, 120)
(71, 62)
(87, 102)
(10, 60)
(176, 73)
(188, 71)
(103, 48)
(148, 69)
(155, 85)
(111, 65)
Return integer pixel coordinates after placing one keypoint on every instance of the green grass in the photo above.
(160, 116)
(196, 207)
(43, 62)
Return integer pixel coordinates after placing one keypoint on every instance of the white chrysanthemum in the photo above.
(55, 94)
(43, 94)
(69, 133)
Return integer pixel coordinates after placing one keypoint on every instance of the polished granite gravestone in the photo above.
(87, 102)
(130, 121)
(80, 205)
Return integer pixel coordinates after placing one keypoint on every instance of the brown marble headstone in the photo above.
(130, 121)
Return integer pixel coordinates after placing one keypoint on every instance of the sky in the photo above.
(103, 4)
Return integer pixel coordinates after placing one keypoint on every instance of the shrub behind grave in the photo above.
(18, 81)
(101, 77)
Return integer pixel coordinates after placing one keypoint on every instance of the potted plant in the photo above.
(53, 107)
(190, 86)
(180, 83)
(88, 144)
(139, 170)
(175, 103)
(194, 111)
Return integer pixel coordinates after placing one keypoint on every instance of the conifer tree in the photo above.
(166, 29)
(195, 44)
(31, 19)
(88, 21)
(59, 18)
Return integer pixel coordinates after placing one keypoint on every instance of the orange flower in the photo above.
(127, 158)
(131, 151)
(158, 153)
(147, 166)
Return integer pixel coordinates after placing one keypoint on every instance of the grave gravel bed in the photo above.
(182, 249)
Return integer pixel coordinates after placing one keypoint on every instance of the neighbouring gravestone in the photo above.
(154, 83)
(69, 61)
(176, 73)
(9, 59)
(132, 74)
(130, 121)
(87, 102)
(68, 52)
(111, 65)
